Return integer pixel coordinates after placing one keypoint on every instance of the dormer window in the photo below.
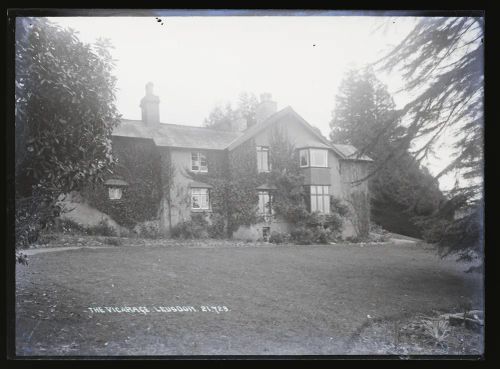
(313, 158)
(199, 162)
(263, 159)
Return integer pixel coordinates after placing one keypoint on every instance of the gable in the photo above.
(288, 117)
(295, 132)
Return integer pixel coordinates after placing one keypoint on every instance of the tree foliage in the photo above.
(65, 110)
(64, 113)
(441, 62)
(222, 117)
(363, 111)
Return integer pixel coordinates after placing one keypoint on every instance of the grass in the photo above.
(294, 300)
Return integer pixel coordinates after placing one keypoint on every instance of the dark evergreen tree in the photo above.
(441, 61)
(363, 111)
(64, 117)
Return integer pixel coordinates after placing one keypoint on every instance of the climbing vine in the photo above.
(138, 163)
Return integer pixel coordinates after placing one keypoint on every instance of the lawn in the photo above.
(278, 300)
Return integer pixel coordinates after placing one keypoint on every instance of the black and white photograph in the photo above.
(235, 183)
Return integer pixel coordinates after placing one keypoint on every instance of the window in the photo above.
(313, 158)
(262, 159)
(200, 198)
(320, 199)
(198, 162)
(304, 157)
(318, 157)
(265, 203)
(115, 193)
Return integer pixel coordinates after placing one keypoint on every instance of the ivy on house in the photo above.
(289, 200)
(138, 163)
(234, 178)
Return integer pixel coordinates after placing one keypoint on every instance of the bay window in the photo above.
(319, 158)
(313, 158)
(304, 157)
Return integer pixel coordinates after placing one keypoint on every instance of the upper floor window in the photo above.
(263, 159)
(313, 158)
(304, 157)
(320, 199)
(199, 162)
(265, 203)
(200, 198)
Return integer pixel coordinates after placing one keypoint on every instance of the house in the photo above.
(328, 169)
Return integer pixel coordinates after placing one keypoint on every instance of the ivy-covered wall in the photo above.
(234, 178)
(138, 163)
(159, 183)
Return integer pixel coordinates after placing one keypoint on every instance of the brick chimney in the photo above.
(266, 108)
(150, 106)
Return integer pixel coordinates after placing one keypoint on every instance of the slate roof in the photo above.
(350, 152)
(174, 135)
(192, 137)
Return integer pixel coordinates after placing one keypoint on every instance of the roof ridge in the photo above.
(181, 125)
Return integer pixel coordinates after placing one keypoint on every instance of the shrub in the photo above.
(197, 227)
(113, 241)
(358, 239)
(68, 226)
(318, 228)
(302, 236)
(148, 229)
(337, 206)
(32, 215)
(46, 238)
(437, 330)
(277, 237)
(323, 235)
(101, 229)
(217, 228)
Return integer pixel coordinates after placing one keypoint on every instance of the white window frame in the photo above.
(308, 155)
(260, 159)
(320, 198)
(312, 157)
(263, 209)
(202, 196)
(196, 159)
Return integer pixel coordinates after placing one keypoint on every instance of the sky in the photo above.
(197, 62)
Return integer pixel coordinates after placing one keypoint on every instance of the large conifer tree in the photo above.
(401, 190)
